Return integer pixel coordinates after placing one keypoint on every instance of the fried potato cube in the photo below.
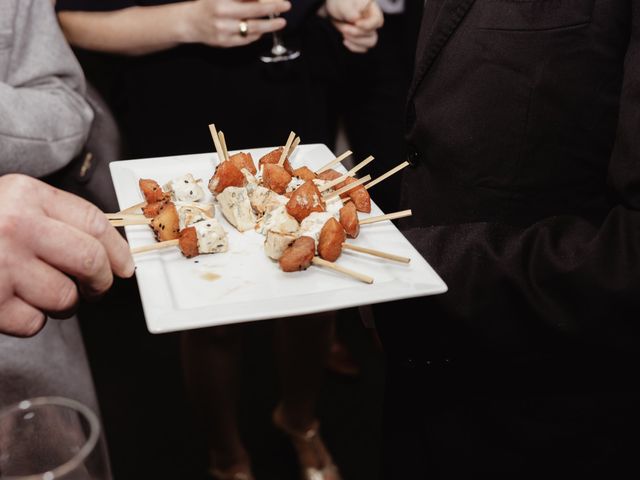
(358, 195)
(332, 236)
(166, 225)
(329, 175)
(274, 157)
(150, 210)
(226, 175)
(299, 255)
(304, 200)
(243, 160)
(304, 173)
(275, 178)
(152, 191)
(189, 242)
(349, 220)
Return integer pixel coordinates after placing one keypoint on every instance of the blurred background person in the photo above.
(54, 245)
(44, 122)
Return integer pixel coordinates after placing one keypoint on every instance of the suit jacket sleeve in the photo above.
(579, 278)
(44, 119)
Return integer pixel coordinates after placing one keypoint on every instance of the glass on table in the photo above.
(51, 438)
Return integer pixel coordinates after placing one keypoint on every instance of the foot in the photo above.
(314, 458)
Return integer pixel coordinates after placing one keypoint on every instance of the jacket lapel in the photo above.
(433, 39)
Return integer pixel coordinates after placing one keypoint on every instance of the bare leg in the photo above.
(211, 364)
(303, 347)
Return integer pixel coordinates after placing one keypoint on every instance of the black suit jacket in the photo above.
(524, 127)
(524, 122)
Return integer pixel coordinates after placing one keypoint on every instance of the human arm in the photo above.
(358, 21)
(45, 235)
(44, 119)
(141, 30)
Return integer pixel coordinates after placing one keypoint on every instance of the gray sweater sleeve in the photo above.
(44, 119)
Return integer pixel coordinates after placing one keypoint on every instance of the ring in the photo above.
(243, 27)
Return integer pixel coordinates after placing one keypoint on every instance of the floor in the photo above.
(148, 421)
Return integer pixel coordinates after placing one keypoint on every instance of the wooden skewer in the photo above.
(123, 216)
(388, 216)
(207, 209)
(133, 208)
(335, 161)
(156, 246)
(376, 253)
(285, 150)
(223, 144)
(346, 188)
(216, 142)
(294, 145)
(386, 175)
(123, 222)
(350, 173)
(358, 276)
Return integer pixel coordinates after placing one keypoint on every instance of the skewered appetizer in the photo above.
(243, 160)
(349, 220)
(332, 237)
(273, 157)
(181, 189)
(205, 236)
(276, 178)
(166, 224)
(185, 189)
(236, 208)
(299, 255)
(226, 175)
(279, 220)
(305, 200)
(277, 242)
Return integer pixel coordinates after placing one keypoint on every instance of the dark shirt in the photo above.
(300, 8)
(164, 101)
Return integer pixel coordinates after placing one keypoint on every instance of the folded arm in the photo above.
(44, 119)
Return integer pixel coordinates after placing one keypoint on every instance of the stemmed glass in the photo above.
(51, 438)
(279, 52)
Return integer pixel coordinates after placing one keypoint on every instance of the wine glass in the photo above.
(279, 52)
(51, 438)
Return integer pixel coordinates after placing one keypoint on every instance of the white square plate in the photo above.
(243, 284)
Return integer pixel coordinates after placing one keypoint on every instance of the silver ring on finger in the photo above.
(243, 28)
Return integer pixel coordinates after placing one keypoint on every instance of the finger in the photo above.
(74, 252)
(20, 319)
(243, 10)
(46, 288)
(353, 47)
(260, 27)
(349, 30)
(84, 216)
(239, 41)
(365, 42)
(371, 19)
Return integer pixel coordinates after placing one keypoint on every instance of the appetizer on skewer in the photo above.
(236, 208)
(205, 236)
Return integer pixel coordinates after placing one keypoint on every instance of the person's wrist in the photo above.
(184, 26)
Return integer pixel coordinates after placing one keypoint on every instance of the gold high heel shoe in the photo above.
(309, 440)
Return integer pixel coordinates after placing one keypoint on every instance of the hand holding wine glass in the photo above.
(232, 23)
